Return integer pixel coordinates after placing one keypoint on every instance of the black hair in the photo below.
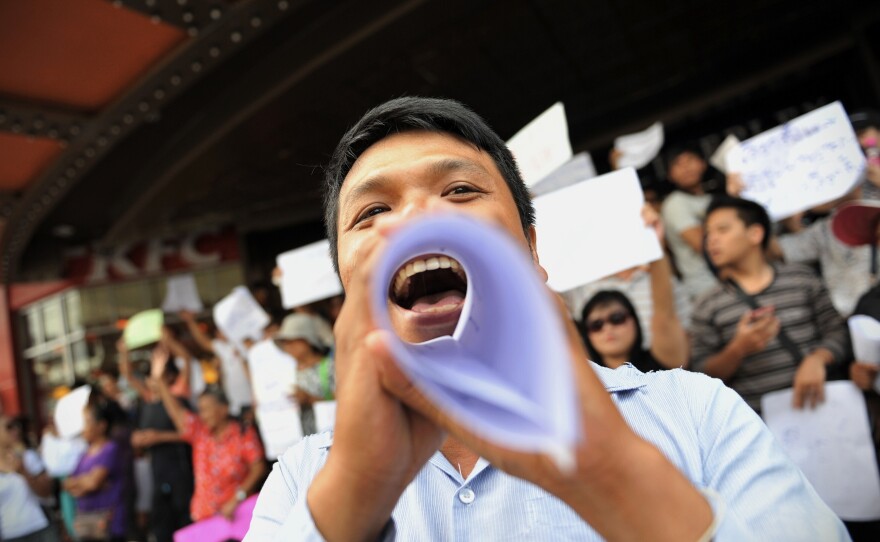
(105, 409)
(864, 119)
(748, 211)
(602, 298)
(418, 114)
(22, 425)
(217, 393)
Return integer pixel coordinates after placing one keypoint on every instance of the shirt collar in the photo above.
(624, 378)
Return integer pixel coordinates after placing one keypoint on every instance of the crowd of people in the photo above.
(759, 305)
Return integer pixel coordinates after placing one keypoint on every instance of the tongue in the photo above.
(447, 300)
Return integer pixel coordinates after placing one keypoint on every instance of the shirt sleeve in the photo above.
(706, 340)
(253, 450)
(802, 247)
(761, 493)
(677, 216)
(835, 335)
(191, 426)
(282, 513)
(32, 462)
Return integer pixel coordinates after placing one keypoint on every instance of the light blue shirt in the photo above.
(700, 425)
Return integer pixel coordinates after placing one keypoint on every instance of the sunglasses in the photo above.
(616, 318)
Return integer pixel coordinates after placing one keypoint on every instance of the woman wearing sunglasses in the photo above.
(612, 331)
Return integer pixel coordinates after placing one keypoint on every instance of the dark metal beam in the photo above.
(192, 15)
(40, 121)
(238, 25)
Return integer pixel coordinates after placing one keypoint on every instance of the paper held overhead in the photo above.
(240, 317)
(542, 145)
(832, 446)
(638, 149)
(307, 275)
(813, 159)
(719, 157)
(579, 168)
(182, 294)
(594, 229)
(69, 420)
(865, 333)
(143, 328)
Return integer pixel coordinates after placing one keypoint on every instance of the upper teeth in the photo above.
(426, 264)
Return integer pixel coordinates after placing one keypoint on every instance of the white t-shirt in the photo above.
(235, 381)
(682, 211)
(20, 512)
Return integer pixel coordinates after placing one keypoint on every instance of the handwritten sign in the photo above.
(594, 229)
(542, 145)
(307, 275)
(832, 446)
(182, 294)
(638, 149)
(809, 161)
(240, 317)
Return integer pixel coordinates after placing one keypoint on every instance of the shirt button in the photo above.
(466, 495)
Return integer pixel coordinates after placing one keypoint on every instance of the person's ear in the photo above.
(533, 244)
(755, 234)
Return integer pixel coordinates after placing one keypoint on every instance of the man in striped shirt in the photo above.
(762, 328)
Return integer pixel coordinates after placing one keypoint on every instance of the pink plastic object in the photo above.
(218, 528)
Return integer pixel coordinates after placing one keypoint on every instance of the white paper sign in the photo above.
(719, 157)
(325, 415)
(182, 295)
(594, 229)
(240, 317)
(69, 419)
(832, 446)
(579, 168)
(638, 149)
(307, 275)
(273, 372)
(280, 426)
(542, 145)
(809, 161)
(865, 333)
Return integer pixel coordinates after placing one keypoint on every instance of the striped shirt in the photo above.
(701, 426)
(805, 312)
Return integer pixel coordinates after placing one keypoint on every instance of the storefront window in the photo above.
(72, 305)
(53, 322)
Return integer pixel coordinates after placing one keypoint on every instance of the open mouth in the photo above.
(429, 284)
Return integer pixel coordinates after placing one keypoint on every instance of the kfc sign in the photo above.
(153, 257)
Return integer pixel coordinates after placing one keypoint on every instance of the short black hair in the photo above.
(748, 211)
(418, 114)
(215, 391)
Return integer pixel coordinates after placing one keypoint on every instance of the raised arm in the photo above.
(172, 406)
(125, 370)
(669, 344)
(201, 338)
(179, 351)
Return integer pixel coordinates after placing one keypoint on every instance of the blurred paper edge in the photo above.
(640, 148)
(144, 328)
(307, 275)
(69, 420)
(542, 145)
